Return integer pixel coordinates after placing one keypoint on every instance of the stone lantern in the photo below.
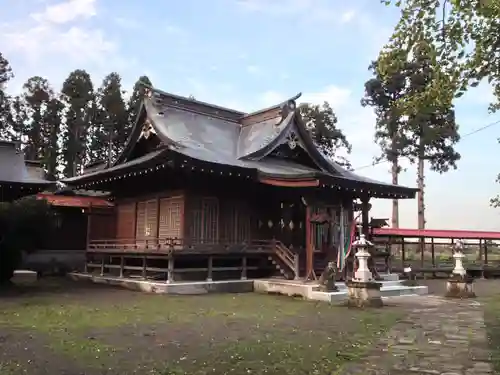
(459, 284)
(363, 290)
(458, 256)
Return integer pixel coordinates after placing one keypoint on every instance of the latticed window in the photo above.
(237, 223)
(170, 218)
(204, 225)
(147, 219)
(210, 220)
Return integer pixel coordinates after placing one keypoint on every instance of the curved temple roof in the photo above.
(14, 169)
(218, 135)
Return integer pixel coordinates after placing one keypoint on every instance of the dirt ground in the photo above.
(62, 327)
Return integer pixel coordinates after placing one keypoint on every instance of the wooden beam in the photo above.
(309, 247)
(306, 182)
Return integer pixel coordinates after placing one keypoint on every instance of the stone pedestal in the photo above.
(364, 294)
(460, 286)
(459, 264)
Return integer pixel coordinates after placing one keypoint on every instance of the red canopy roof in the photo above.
(436, 233)
(74, 201)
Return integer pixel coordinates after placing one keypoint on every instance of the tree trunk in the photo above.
(420, 199)
(395, 202)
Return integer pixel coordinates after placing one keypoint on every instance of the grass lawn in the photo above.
(64, 327)
(492, 321)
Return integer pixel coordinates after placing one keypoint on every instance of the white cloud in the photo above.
(56, 39)
(347, 16)
(65, 12)
(75, 43)
(336, 96)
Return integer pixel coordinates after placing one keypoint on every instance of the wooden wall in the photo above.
(101, 224)
(216, 219)
(191, 216)
(150, 217)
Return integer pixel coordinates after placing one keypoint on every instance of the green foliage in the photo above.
(35, 98)
(136, 98)
(24, 225)
(5, 76)
(78, 92)
(409, 111)
(464, 38)
(109, 131)
(321, 122)
(382, 93)
(53, 122)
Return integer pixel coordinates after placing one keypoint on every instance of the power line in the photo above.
(462, 137)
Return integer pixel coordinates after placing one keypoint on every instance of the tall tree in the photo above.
(321, 122)
(5, 76)
(382, 94)
(18, 118)
(430, 131)
(53, 121)
(78, 93)
(136, 98)
(465, 38)
(110, 130)
(36, 96)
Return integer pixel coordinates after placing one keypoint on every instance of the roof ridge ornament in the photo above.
(286, 108)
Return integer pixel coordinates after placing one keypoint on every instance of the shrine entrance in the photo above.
(290, 228)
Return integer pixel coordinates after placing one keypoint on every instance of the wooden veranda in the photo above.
(170, 258)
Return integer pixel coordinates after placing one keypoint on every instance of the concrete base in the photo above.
(49, 262)
(294, 288)
(24, 277)
(364, 294)
(179, 288)
(291, 288)
(459, 288)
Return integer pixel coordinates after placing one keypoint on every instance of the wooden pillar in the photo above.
(480, 256)
(433, 254)
(402, 253)
(122, 265)
(422, 254)
(102, 264)
(210, 268)
(89, 224)
(244, 268)
(85, 266)
(309, 247)
(365, 216)
(485, 253)
(170, 271)
(157, 234)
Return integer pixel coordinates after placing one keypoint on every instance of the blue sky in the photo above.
(247, 54)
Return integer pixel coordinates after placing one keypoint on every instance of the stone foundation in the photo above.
(364, 294)
(24, 277)
(459, 287)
